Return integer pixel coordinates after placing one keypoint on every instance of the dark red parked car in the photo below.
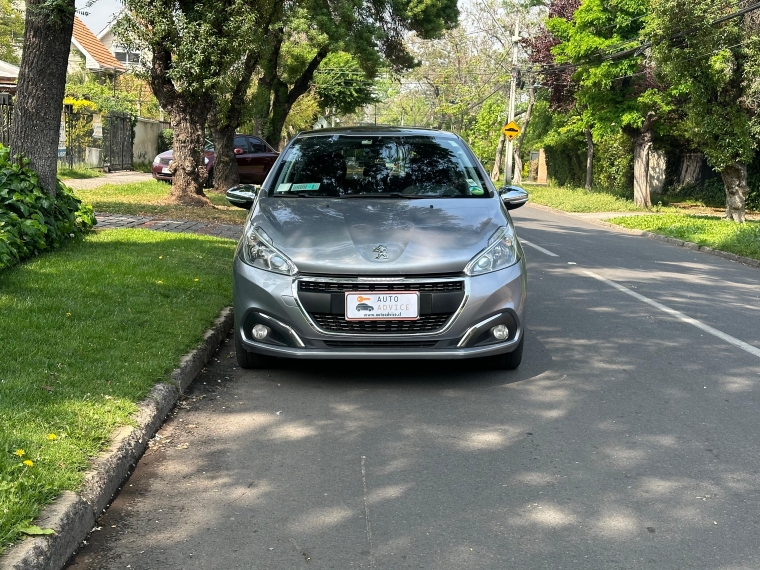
(254, 158)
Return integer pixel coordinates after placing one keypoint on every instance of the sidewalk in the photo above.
(111, 221)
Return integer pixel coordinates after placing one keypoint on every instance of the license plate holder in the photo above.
(383, 306)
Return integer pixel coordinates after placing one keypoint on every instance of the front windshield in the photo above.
(352, 166)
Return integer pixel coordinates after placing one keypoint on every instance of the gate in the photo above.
(117, 142)
(6, 117)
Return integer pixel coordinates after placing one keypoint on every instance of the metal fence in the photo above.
(118, 135)
(6, 116)
(85, 139)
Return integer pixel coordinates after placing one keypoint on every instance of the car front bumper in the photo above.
(158, 174)
(262, 297)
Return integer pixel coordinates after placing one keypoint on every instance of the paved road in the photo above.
(629, 438)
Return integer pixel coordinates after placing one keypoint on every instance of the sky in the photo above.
(99, 14)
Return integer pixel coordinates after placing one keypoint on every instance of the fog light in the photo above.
(260, 332)
(500, 332)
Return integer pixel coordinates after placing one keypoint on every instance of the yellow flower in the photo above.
(28, 462)
(20, 452)
(196, 280)
(160, 257)
(52, 436)
(68, 314)
(160, 282)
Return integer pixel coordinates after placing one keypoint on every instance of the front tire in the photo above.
(510, 360)
(251, 360)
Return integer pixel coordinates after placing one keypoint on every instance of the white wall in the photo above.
(145, 147)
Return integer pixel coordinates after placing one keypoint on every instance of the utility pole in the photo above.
(512, 97)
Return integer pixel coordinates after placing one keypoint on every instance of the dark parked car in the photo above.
(254, 158)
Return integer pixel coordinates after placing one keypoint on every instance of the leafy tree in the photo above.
(341, 86)
(712, 68)
(370, 30)
(11, 32)
(232, 95)
(193, 46)
(42, 78)
(611, 93)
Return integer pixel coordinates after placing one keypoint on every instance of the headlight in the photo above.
(258, 251)
(157, 160)
(500, 253)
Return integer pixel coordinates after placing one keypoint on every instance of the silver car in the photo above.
(369, 243)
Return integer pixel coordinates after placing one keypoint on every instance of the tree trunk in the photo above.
(187, 163)
(225, 173)
(187, 114)
(691, 169)
(41, 85)
(735, 181)
(496, 170)
(589, 158)
(642, 146)
(517, 177)
(223, 121)
(284, 98)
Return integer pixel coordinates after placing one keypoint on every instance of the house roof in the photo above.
(91, 46)
(8, 71)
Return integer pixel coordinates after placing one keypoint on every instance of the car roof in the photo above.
(375, 130)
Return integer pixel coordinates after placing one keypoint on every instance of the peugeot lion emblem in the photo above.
(381, 251)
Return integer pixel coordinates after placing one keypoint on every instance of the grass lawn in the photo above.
(78, 172)
(579, 200)
(150, 199)
(741, 239)
(86, 331)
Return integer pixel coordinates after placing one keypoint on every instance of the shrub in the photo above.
(165, 140)
(31, 220)
(712, 193)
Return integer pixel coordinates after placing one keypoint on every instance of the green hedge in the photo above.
(712, 193)
(165, 140)
(31, 220)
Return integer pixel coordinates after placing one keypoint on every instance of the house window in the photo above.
(125, 56)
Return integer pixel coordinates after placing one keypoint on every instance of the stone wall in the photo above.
(145, 146)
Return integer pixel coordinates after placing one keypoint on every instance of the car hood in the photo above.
(379, 236)
(170, 153)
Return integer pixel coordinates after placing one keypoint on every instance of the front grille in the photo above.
(338, 323)
(380, 344)
(328, 286)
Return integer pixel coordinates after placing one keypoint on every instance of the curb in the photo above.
(657, 237)
(72, 515)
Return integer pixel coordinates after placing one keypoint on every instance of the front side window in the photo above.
(416, 166)
(257, 145)
(241, 143)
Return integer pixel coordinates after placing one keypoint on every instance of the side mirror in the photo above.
(513, 197)
(242, 195)
(238, 151)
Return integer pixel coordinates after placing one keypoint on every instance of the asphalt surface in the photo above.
(628, 438)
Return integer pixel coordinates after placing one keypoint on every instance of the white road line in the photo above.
(679, 315)
(366, 513)
(539, 248)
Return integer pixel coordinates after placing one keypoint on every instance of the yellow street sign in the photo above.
(511, 130)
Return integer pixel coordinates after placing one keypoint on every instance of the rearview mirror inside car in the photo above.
(242, 195)
(513, 196)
